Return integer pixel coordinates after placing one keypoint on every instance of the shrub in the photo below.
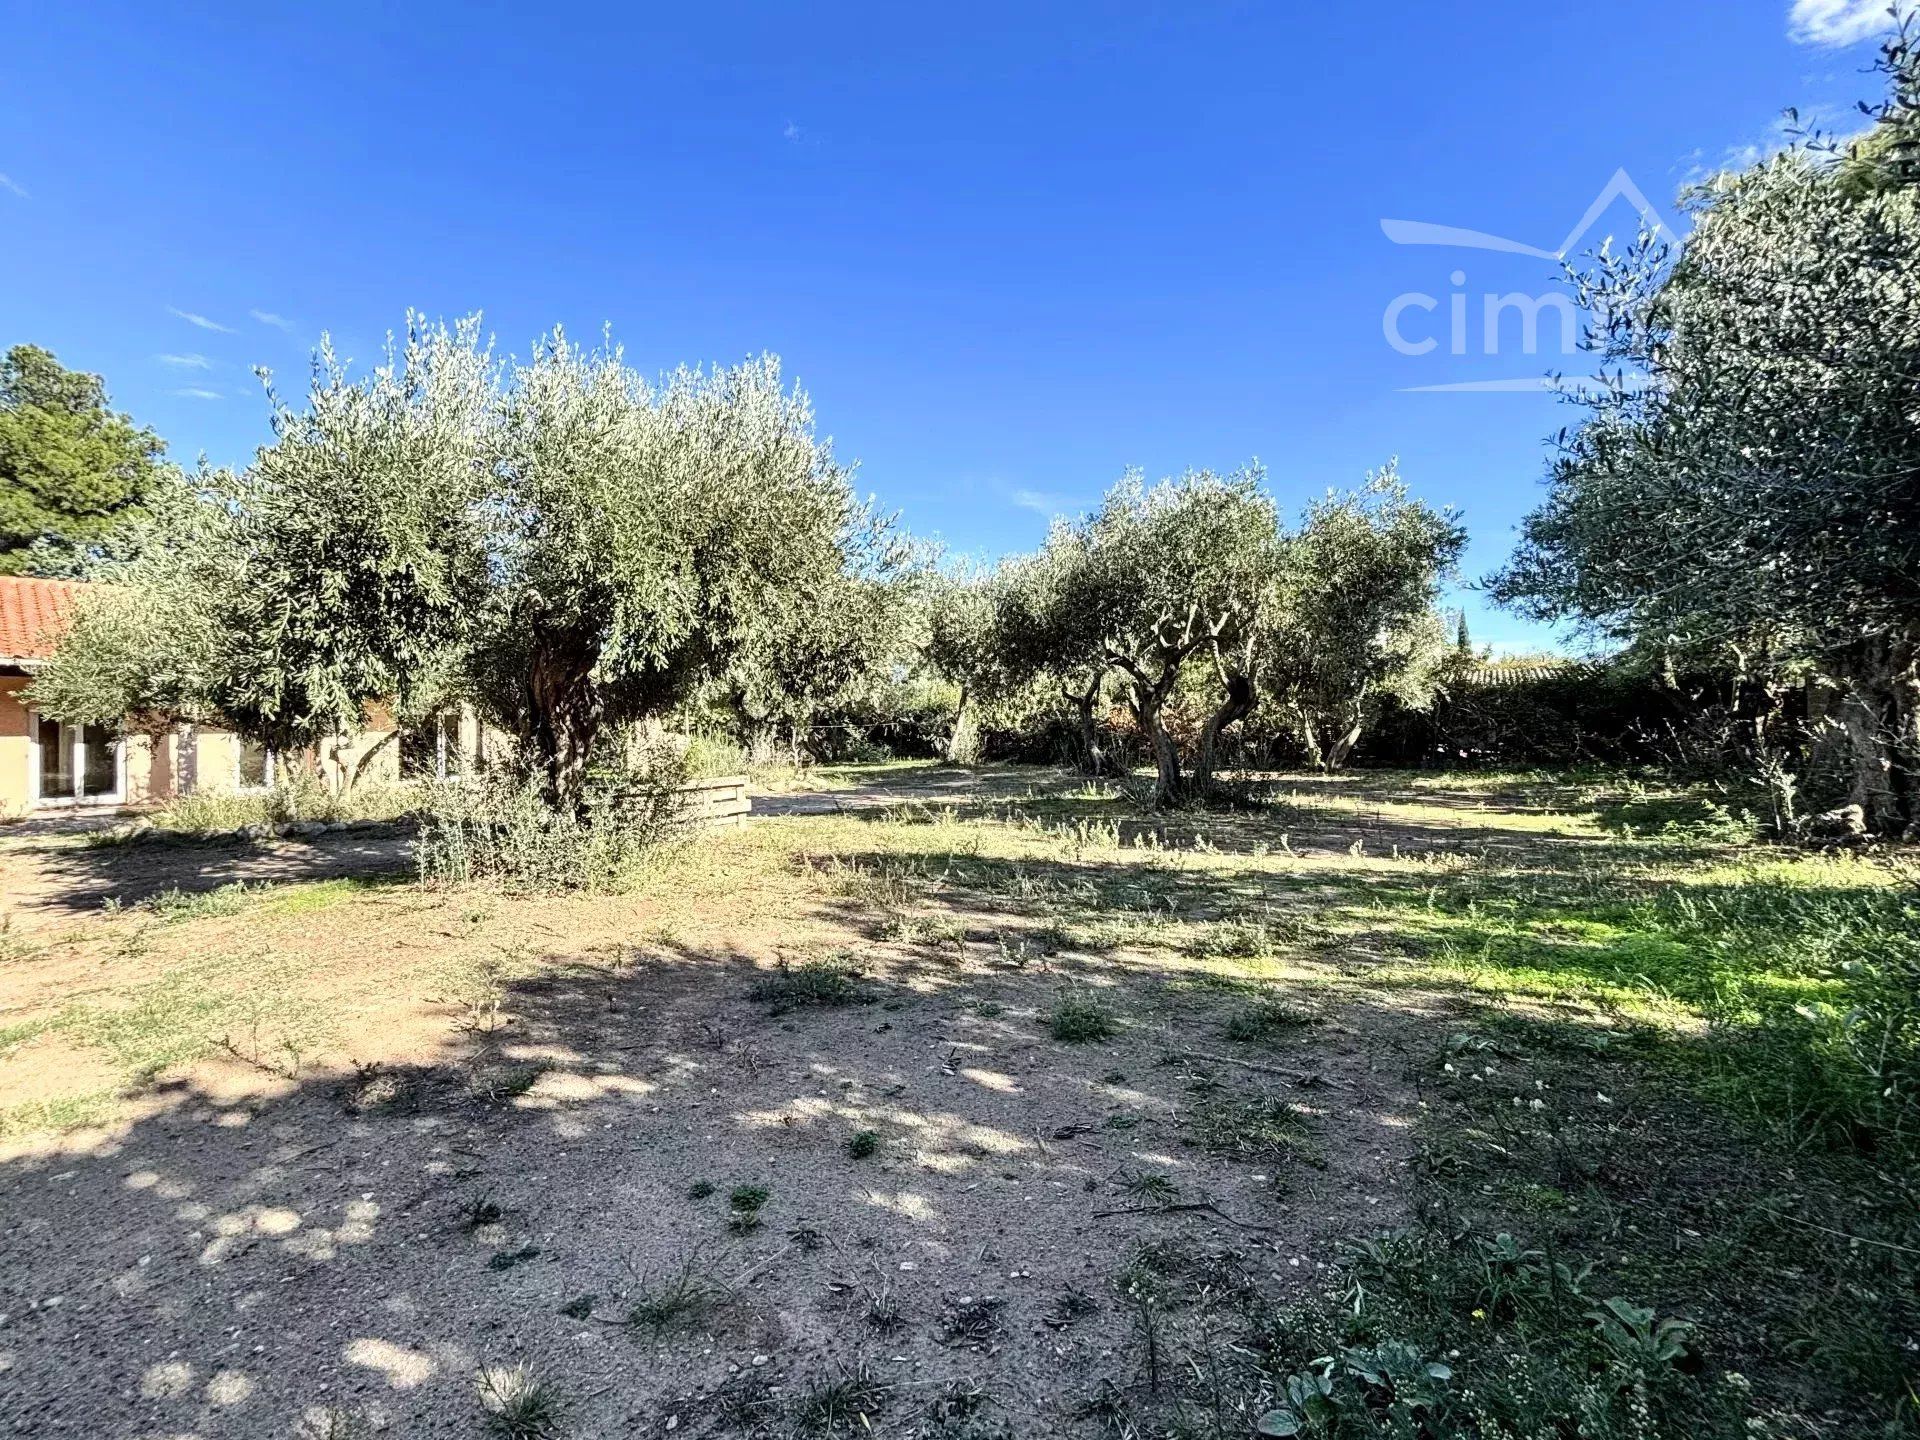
(298, 796)
(811, 984)
(706, 757)
(501, 830)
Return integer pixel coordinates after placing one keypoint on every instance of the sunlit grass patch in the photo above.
(248, 1005)
(306, 897)
(66, 1112)
(175, 904)
(17, 1033)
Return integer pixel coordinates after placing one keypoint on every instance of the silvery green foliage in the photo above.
(1168, 572)
(1354, 624)
(354, 543)
(836, 643)
(962, 641)
(1050, 639)
(644, 537)
(142, 638)
(556, 538)
(502, 830)
(334, 571)
(1751, 480)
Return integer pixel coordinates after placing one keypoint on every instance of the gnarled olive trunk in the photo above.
(1326, 737)
(1092, 759)
(1149, 698)
(1169, 786)
(1878, 715)
(564, 710)
(958, 740)
(1231, 711)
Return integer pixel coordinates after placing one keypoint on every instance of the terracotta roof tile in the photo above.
(33, 614)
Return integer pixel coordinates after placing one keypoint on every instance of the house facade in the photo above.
(47, 766)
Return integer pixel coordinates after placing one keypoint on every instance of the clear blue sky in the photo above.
(1010, 249)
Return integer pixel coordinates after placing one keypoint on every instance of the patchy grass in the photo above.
(846, 1403)
(519, 1403)
(1251, 1127)
(811, 984)
(301, 799)
(175, 905)
(679, 1300)
(1265, 1019)
(1640, 1099)
(1081, 1019)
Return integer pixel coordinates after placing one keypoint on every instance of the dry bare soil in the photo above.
(930, 1103)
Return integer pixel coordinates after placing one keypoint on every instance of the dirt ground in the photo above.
(498, 1131)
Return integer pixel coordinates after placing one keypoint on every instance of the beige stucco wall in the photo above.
(190, 758)
(372, 756)
(15, 753)
(150, 773)
(209, 759)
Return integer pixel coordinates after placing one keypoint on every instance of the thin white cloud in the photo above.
(267, 317)
(792, 133)
(1797, 128)
(202, 321)
(1837, 22)
(185, 362)
(14, 187)
(196, 392)
(1039, 501)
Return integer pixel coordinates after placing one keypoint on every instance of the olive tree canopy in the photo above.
(1169, 572)
(1751, 480)
(563, 542)
(1355, 625)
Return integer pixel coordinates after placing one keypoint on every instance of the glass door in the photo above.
(99, 762)
(77, 762)
(56, 760)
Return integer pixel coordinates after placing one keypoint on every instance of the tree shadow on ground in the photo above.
(46, 884)
(255, 1253)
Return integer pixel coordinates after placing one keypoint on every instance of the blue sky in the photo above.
(1010, 249)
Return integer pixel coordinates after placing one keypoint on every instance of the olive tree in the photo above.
(561, 541)
(1749, 480)
(961, 641)
(1355, 625)
(641, 537)
(834, 643)
(334, 571)
(1169, 572)
(1047, 632)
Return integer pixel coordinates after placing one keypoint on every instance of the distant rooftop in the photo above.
(33, 616)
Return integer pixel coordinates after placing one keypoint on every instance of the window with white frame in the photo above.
(432, 750)
(254, 765)
(77, 763)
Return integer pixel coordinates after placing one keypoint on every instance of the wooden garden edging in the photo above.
(718, 801)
